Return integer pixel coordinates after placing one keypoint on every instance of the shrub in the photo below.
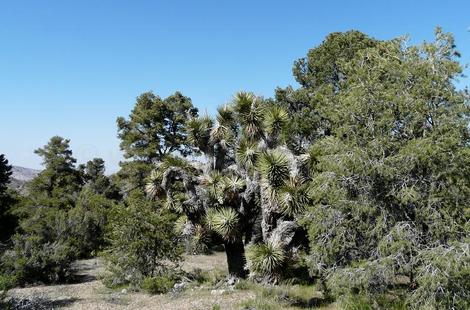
(370, 278)
(31, 260)
(7, 282)
(265, 260)
(443, 278)
(158, 285)
(143, 243)
(87, 221)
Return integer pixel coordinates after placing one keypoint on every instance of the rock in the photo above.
(231, 281)
(178, 287)
(217, 292)
(124, 291)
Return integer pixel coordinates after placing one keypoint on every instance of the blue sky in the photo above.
(70, 68)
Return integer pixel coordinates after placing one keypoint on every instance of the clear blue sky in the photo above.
(70, 68)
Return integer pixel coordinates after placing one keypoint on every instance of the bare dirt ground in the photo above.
(91, 294)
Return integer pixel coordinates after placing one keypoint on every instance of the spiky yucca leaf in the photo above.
(198, 130)
(242, 102)
(218, 133)
(200, 240)
(230, 187)
(180, 224)
(293, 197)
(225, 222)
(265, 259)
(247, 153)
(232, 183)
(225, 116)
(208, 219)
(250, 114)
(222, 135)
(210, 182)
(174, 203)
(275, 119)
(252, 123)
(153, 187)
(274, 167)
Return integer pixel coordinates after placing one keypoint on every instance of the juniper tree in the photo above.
(392, 179)
(320, 76)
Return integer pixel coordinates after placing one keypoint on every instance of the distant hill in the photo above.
(20, 176)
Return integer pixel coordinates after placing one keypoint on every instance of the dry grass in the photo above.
(92, 294)
(215, 261)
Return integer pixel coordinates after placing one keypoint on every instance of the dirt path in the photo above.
(91, 294)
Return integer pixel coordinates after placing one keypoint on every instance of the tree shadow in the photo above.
(38, 303)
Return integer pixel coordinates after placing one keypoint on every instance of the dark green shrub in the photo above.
(33, 260)
(443, 278)
(87, 221)
(7, 282)
(158, 285)
(142, 243)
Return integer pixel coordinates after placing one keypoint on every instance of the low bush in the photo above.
(443, 278)
(7, 282)
(158, 285)
(33, 260)
(142, 244)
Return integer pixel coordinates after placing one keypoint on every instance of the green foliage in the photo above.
(247, 154)
(87, 221)
(225, 222)
(60, 220)
(142, 243)
(284, 297)
(275, 119)
(7, 282)
(293, 197)
(58, 184)
(133, 175)
(274, 167)
(265, 260)
(199, 132)
(158, 285)
(31, 259)
(443, 278)
(95, 179)
(155, 127)
(391, 179)
(249, 111)
(368, 278)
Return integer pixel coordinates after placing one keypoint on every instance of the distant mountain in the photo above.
(20, 176)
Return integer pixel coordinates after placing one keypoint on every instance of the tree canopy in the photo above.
(155, 127)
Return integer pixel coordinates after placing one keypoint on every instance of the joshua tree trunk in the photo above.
(235, 252)
(268, 214)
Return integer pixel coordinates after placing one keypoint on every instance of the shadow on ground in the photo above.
(37, 303)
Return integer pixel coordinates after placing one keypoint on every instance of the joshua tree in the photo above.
(248, 191)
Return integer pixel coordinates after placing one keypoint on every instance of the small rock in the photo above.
(232, 281)
(124, 291)
(217, 292)
(180, 286)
